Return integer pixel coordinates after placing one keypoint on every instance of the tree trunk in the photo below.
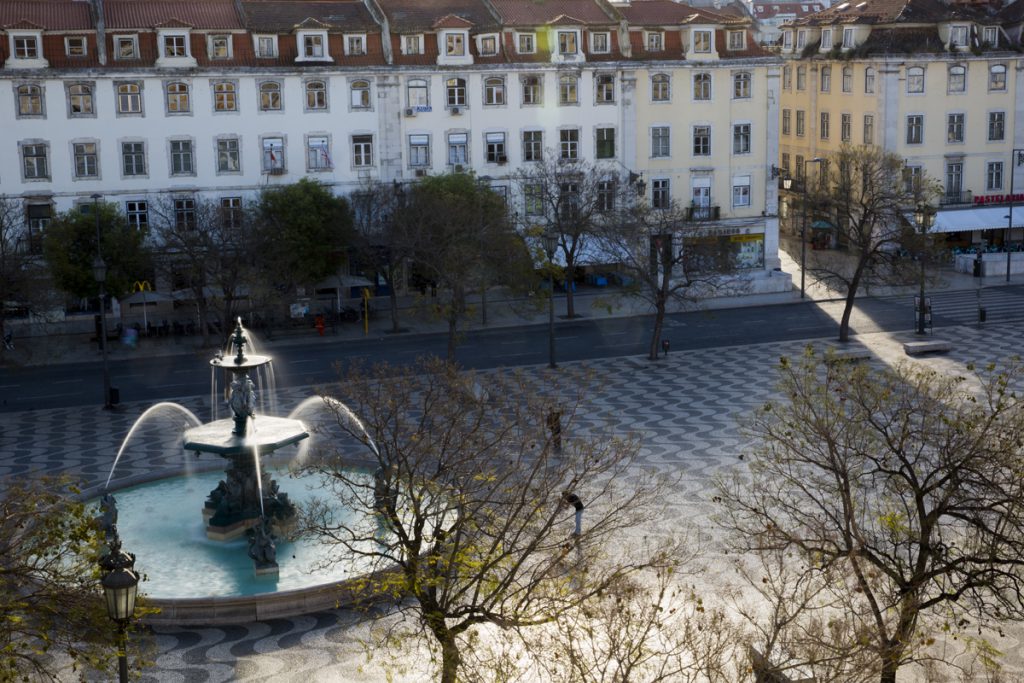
(851, 298)
(451, 660)
(659, 324)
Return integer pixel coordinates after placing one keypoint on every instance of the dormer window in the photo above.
(219, 47)
(848, 40)
(958, 36)
(600, 43)
(526, 43)
(355, 44)
(412, 45)
(26, 51)
(654, 41)
(126, 47)
(175, 45)
(737, 40)
(26, 47)
(826, 39)
(567, 43)
(990, 35)
(174, 49)
(801, 39)
(787, 40)
(75, 46)
(266, 46)
(455, 44)
(488, 45)
(702, 41)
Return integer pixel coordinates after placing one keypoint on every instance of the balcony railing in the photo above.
(957, 197)
(702, 213)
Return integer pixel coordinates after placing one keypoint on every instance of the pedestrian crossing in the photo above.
(960, 307)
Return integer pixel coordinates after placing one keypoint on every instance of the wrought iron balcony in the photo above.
(702, 213)
(956, 197)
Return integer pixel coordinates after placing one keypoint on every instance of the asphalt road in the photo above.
(302, 364)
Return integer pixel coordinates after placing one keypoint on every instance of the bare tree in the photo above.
(865, 194)
(470, 515)
(902, 484)
(22, 271)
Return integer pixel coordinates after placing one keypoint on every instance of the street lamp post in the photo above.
(1016, 159)
(803, 228)
(99, 272)
(550, 244)
(924, 216)
(120, 586)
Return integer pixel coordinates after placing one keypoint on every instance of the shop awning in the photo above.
(983, 218)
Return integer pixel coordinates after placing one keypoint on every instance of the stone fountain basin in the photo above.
(267, 434)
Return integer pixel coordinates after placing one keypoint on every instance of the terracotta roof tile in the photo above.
(415, 16)
(770, 9)
(147, 14)
(888, 12)
(282, 16)
(452, 21)
(542, 12)
(53, 15)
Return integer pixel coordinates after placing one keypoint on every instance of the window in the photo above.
(86, 160)
(786, 121)
(702, 86)
(418, 93)
(129, 98)
(661, 194)
(231, 212)
(605, 196)
(702, 41)
(359, 94)
(787, 40)
(533, 199)
(915, 79)
(266, 47)
(412, 45)
(823, 127)
(137, 214)
(915, 129)
(419, 151)
(533, 145)
(600, 43)
(801, 39)
(741, 86)
(568, 201)
(605, 143)
(848, 41)
(456, 91)
(845, 126)
(869, 129)
(80, 100)
(954, 180)
(660, 142)
(219, 47)
(75, 46)
(362, 150)
(996, 126)
(741, 191)
(737, 40)
(355, 45)
(785, 162)
(997, 77)
(533, 90)
(525, 44)
(495, 148)
(318, 153)
(494, 91)
(957, 79)
(457, 148)
(225, 96)
(990, 35)
(185, 213)
(958, 36)
(228, 156)
(133, 158)
(701, 141)
(994, 175)
(181, 157)
(800, 122)
(316, 95)
(605, 89)
(454, 44)
(488, 45)
(273, 155)
(569, 144)
(826, 78)
(801, 78)
(661, 88)
(175, 45)
(741, 138)
(955, 128)
(798, 171)
(30, 100)
(270, 96)
(869, 81)
(847, 79)
(177, 98)
(26, 47)
(826, 39)
(567, 43)
(787, 77)
(568, 92)
(654, 41)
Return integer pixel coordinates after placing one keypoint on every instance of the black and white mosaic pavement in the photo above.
(686, 407)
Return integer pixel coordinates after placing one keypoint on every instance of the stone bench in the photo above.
(916, 348)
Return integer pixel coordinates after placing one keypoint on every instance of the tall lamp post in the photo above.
(924, 216)
(550, 244)
(99, 272)
(120, 586)
(1016, 159)
(803, 228)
